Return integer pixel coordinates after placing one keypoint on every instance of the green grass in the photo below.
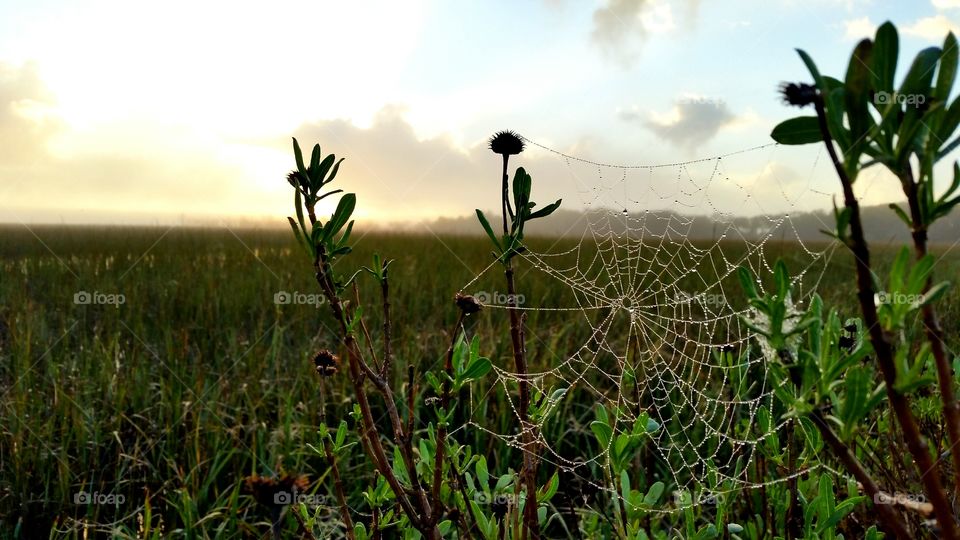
(199, 379)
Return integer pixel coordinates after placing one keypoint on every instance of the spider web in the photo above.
(655, 318)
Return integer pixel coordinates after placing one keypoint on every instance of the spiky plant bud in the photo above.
(326, 363)
(506, 143)
(468, 304)
(798, 94)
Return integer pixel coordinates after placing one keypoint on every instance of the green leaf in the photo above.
(298, 202)
(340, 216)
(919, 274)
(935, 293)
(920, 75)
(812, 67)
(341, 434)
(857, 93)
(546, 210)
(483, 475)
(299, 234)
(898, 270)
(333, 173)
(504, 481)
(321, 171)
(548, 491)
(602, 431)
(857, 385)
(886, 49)
(782, 278)
(346, 235)
(654, 493)
(521, 189)
(478, 368)
(315, 157)
(299, 155)
(947, 126)
(948, 68)
(901, 214)
(799, 130)
(489, 230)
(746, 281)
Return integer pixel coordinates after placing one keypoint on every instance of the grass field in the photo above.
(168, 400)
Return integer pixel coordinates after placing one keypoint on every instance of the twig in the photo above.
(888, 517)
(881, 346)
(932, 329)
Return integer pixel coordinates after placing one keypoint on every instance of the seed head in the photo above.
(798, 94)
(468, 304)
(297, 179)
(272, 491)
(326, 363)
(506, 143)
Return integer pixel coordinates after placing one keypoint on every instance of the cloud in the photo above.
(692, 122)
(620, 27)
(397, 175)
(44, 165)
(25, 120)
(946, 4)
(857, 29)
(934, 28)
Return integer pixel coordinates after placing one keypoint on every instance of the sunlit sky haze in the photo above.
(134, 112)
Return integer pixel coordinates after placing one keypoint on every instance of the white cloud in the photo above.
(620, 27)
(934, 28)
(946, 4)
(693, 121)
(857, 29)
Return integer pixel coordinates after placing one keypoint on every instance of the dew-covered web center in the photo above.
(650, 326)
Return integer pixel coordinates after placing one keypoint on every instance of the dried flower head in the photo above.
(798, 94)
(506, 143)
(272, 491)
(298, 179)
(326, 363)
(468, 304)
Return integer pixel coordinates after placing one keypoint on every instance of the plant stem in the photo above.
(505, 199)
(442, 426)
(358, 370)
(951, 410)
(332, 460)
(387, 331)
(891, 521)
(881, 346)
(526, 433)
(794, 519)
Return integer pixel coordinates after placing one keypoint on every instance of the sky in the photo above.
(120, 111)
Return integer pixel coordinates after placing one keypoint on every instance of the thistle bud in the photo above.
(326, 363)
(468, 304)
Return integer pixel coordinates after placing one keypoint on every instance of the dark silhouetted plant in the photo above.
(865, 121)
